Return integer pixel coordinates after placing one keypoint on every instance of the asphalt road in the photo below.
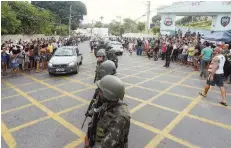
(40, 111)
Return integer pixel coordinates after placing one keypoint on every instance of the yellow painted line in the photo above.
(157, 131)
(86, 84)
(145, 126)
(158, 95)
(14, 129)
(44, 118)
(154, 142)
(71, 108)
(49, 112)
(28, 105)
(175, 111)
(76, 143)
(184, 97)
(161, 74)
(19, 85)
(15, 109)
(10, 96)
(57, 89)
(225, 126)
(178, 140)
(7, 136)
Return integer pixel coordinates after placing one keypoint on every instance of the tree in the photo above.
(129, 25)
(156, 29)
(9, 21)
(141, 26)
(62, 10)
(98, 24)
(114, 28)
(156, 20)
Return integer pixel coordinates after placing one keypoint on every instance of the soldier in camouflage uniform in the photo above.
(109, 127)
(101, 57)
(106, 68)
(111, 55)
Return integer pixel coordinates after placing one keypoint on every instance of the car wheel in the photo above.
(50, 74)
(121, 53)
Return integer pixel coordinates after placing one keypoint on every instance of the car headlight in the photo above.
(50, 64)
(72, 64)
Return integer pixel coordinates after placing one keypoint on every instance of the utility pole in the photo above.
(91, 28)
(70, 22)
(148, 16)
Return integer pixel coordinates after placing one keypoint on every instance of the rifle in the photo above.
(89, 109)
(91, 133)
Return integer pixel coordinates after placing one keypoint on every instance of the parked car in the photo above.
(66, 59)
(117, 46)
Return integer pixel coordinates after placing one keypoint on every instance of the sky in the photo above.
(109, 9)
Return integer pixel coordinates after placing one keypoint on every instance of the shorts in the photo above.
(36, 58)
(184, 57)
(218, 79)
(190, 58)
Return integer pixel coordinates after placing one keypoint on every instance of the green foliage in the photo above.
(155, 29)
(62, 30)
(98, 24)
(62, 10)
(156, 20)
(141, 26)
(114, 28)
(22, 17)
(129, 25)
(10, 23)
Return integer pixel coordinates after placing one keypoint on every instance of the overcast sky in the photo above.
(109, 9)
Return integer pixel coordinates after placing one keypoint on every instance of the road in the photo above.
(40, 111)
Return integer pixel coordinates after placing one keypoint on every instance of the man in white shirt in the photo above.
(216, 76)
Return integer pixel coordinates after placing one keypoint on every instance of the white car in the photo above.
(117, 46)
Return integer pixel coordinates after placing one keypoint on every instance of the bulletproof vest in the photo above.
(112, 116)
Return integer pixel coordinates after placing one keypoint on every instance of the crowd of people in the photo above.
(31, 55)
(188, 50)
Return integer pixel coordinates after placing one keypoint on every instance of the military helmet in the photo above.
(106, 68)
(101, 53)
(112, 88)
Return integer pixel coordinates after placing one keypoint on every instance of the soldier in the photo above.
(111, 55)
(110, 123)
(101, 57)
(106, 68)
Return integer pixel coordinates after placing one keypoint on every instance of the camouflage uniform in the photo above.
(111, 127)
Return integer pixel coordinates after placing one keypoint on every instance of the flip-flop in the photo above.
(200, 93)
(223, 103)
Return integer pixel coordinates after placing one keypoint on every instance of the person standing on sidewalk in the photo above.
(216, 75)
(206, 55)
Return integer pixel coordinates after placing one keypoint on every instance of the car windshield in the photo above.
(64, 52)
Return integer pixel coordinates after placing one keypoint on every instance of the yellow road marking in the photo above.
(44, 118)
(158, 95)
(7, 136)
(154, 142)
(14, 109)
(49, 112)
(210, 121)
(74, 144)
(188, 115)
(57, 89)
(157, 131)
(46, 100)
(184, 97)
